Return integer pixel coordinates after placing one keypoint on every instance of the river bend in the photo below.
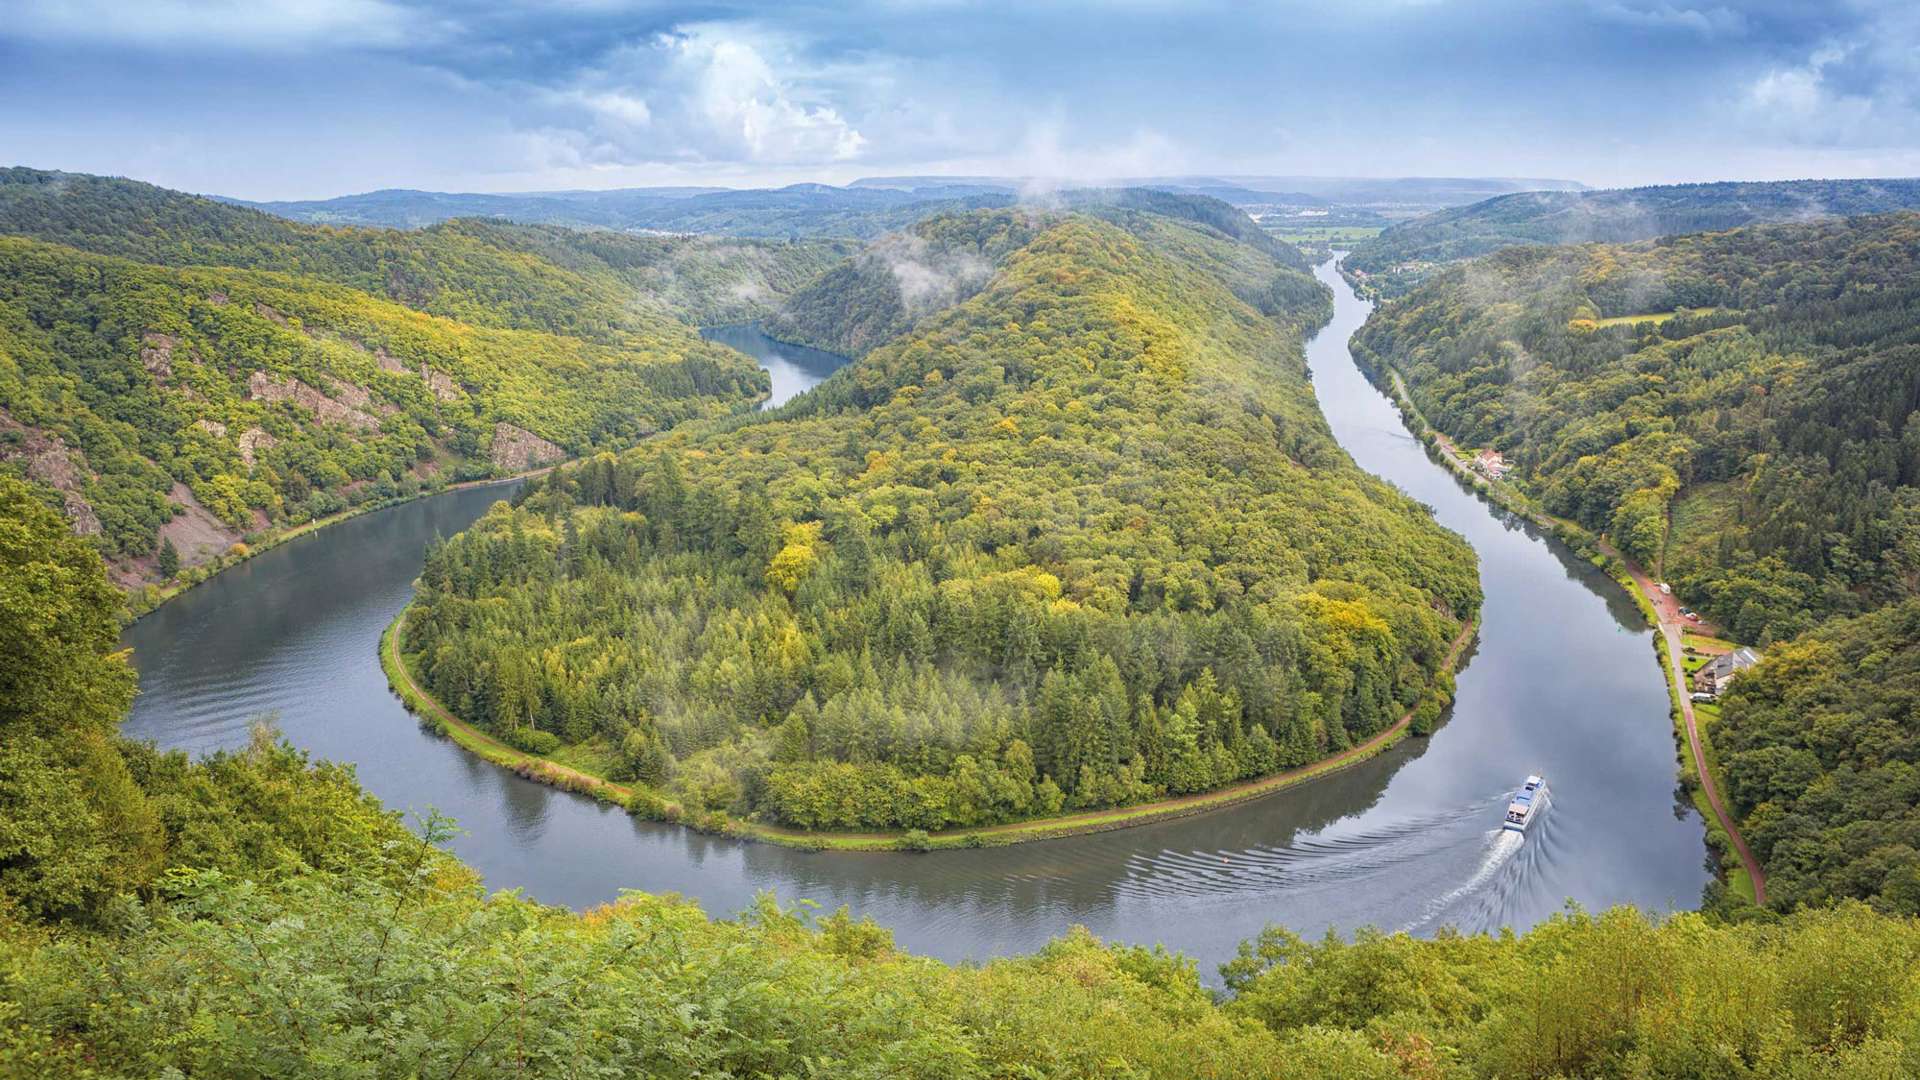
(1561, 681)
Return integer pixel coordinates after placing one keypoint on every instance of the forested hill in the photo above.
(1079, 540)
(597, 285)
(1400, 257)
(798, 210)
(254, 914)
(909, 275)
(1739, 409)
(181, 375)
(191, 408)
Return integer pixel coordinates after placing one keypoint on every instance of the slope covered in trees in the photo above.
(1821, 745)
(188, 407)
(907, 276)
(596, 285)
(1080, 540)
(1402, 256)
(253, 914)
(182, 373)
(1739, 410)
(1737, 407)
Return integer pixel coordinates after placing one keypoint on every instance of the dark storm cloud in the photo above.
(285, 97)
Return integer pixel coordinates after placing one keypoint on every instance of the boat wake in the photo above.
(1510, 865)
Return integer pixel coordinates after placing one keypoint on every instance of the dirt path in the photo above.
(1039, 829)
(1671, 625)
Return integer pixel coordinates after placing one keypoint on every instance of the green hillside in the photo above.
(182, 374)
(253, 914)
(1080, 540)
(1402, 256)
(196, 406)
(1738, 411)
(907, 276)
(594, 285)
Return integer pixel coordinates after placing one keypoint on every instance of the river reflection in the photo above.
(1560, 681)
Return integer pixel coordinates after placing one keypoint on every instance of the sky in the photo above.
(286, 99)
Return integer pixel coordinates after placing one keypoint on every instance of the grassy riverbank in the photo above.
(644, 801)
(1691, 736)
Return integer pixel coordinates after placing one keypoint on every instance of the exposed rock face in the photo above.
(386, 360)
(156, 353)
(263, 386)
(251, 441)
(269, 314)
(350, 393)
(197, 535)
(43, 456)
(212, 427)
(439, 383)
(217, 299)
(516, 449)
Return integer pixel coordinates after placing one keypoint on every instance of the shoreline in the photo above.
(429, 711)
(1747, 878)
(222, 563)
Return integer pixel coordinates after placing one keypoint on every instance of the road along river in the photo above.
(1560, 681)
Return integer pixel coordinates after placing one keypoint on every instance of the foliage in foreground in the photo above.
(1081, 540)
(256, 916)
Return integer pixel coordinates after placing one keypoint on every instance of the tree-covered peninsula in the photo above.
(1080, 539)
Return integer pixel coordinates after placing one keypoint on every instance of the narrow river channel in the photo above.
(1561, 681)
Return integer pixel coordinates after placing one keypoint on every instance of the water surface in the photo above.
(794, 368)
(1561, 681)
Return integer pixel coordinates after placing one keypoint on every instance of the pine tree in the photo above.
(169, 561)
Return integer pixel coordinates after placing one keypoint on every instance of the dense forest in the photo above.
(186, 408)
(181, 374)
(1080, 540)
(256, 914)
(1738, 410)
(906, 276)
(1821, 748)
(487, 273)
(1736, 407)
(1404, 255)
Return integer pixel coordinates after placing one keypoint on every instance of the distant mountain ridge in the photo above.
(797, 210)
(1392, 263)
(862, 208)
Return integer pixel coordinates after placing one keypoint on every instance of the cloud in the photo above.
(1860, 88)
(244, 24)
(1707, 22)
(704, 93)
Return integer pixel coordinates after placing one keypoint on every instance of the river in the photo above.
(1561, 681)
(793, 368)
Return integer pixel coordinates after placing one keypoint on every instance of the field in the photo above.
(1656, 317)
(1699, 513)
(1314, 235)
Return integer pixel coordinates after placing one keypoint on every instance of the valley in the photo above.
(1399, 840)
